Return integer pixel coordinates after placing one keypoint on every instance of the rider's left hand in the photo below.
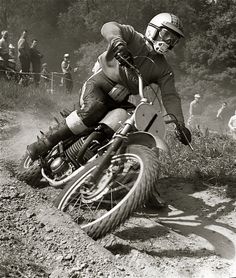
(183, 134)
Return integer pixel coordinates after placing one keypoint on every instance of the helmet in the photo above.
(164, 31)
(197, 96)
(66, 55)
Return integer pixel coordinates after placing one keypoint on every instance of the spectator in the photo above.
(24, 52)
(12, 52)
(12, 57)
(195, 111)
(45, 74)
(4, 48)
(232, 125)
(221, 116)
(35, 58)
(67, 77)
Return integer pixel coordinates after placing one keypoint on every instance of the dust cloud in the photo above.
(22, 130)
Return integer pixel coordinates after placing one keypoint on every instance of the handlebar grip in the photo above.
(129, 64)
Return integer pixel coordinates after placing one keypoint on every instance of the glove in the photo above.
(183, 134)
(122, 52)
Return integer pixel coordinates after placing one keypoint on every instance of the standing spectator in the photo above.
(45, 74)
(4, 48)
(12, 52)
(67, 77)
(232, 125)
(35, 58)
(221, 116)
(195, 111)
(12, 57)
(24, 52)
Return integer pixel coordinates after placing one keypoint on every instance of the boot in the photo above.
(48, 140)
(73, 125)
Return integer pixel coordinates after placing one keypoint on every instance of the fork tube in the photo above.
(140, 86)
(110, 152)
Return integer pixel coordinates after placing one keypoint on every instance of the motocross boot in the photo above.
(72, 125)
(48, 140)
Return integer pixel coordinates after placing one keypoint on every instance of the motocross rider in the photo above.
(98, 94)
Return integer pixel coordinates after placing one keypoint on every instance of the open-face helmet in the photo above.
(164, 32)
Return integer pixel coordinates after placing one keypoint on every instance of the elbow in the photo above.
(108, 28)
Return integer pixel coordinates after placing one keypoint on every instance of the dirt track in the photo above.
(194, 237)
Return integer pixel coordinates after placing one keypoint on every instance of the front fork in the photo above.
(112, 150)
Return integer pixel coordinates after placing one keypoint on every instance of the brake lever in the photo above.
(129, 64)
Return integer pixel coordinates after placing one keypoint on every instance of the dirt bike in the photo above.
(105, 178)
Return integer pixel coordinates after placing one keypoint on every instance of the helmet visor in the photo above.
(169, 37)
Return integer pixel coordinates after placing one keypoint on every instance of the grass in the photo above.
(213, 158)
(39, 100)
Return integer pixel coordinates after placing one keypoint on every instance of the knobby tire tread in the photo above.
(139, 196)
(31, 175)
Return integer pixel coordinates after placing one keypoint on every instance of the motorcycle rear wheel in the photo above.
(29, 171)
(121, 188)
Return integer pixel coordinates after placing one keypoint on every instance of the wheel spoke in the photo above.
(110, 189)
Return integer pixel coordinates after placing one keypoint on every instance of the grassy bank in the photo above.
(38, 100)
(212, 160)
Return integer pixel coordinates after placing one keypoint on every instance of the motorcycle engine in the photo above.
(60, 168)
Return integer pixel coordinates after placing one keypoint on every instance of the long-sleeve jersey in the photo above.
(153, 67)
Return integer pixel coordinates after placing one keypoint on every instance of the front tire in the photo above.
(121, 188)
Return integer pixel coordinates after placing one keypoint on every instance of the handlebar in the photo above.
(143, 99)
(140, 79)
(131, 66)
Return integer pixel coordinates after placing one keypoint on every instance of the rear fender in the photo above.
(148, 140)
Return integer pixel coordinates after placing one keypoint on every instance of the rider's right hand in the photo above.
(122, 54)
(183, 134)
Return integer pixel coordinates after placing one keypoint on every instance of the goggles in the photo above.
(168, 37)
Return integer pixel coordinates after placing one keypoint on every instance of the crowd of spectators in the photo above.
(26, 60)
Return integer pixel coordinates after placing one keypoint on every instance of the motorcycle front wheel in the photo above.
(121, 188)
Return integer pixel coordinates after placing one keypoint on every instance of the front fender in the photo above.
(148, 140)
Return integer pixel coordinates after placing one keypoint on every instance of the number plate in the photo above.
(149, 118)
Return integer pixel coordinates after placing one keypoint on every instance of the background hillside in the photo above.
(205, 62)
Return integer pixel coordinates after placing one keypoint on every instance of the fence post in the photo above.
(52, 83)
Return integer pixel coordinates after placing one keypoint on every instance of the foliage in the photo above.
(211, 52)
(87, 56)
(211, 160)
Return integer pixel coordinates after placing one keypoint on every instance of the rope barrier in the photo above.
(50, 79)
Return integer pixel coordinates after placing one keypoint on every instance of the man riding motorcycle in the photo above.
(98, 93)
